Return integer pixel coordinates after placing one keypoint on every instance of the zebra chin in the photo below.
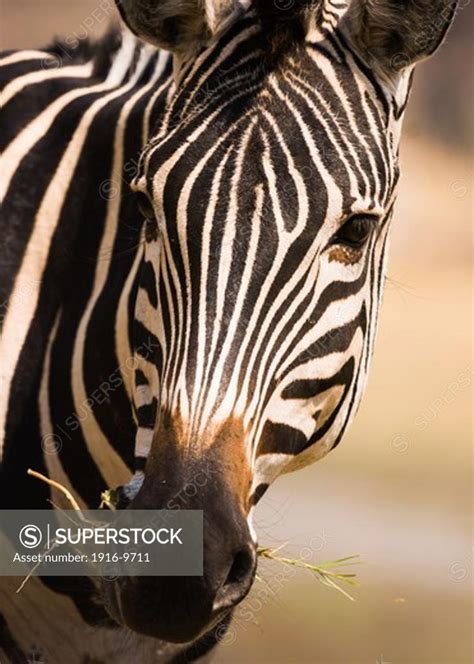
(216, 481)
(179, 612)
(183, 609)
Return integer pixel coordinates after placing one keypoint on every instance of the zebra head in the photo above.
(267, 192)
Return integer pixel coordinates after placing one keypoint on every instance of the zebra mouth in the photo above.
(180, 612)
(181, 609)
(214, 632)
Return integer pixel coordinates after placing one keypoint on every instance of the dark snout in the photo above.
(179, 609)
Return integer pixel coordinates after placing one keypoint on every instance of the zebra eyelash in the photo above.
(145, 206)
(356, 231)
(146, 210)
(151, 230)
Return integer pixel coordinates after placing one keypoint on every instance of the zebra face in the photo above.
(267, 193)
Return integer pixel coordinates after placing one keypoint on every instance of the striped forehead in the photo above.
(320, 117)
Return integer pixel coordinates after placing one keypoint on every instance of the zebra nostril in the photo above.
(241, 567)
(238, 581)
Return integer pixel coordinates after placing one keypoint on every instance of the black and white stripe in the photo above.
(172, 246)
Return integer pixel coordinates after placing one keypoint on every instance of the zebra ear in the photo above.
(395, 35)
(180, 26)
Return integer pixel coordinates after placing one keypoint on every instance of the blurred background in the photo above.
(398, 490)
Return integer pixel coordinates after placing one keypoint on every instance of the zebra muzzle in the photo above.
(180, 609)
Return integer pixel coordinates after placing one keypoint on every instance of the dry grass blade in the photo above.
(108, 499)
(74, 504)
(325, 572)
(56, 485)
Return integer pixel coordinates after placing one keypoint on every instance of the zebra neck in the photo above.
(79, 120)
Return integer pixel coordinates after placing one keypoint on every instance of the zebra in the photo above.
(196, 213)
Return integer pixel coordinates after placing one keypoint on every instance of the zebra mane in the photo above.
(101, 50)
(284, 22)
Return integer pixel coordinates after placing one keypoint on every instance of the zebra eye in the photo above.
(146, 210)
(144, 205)
(355, 232)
